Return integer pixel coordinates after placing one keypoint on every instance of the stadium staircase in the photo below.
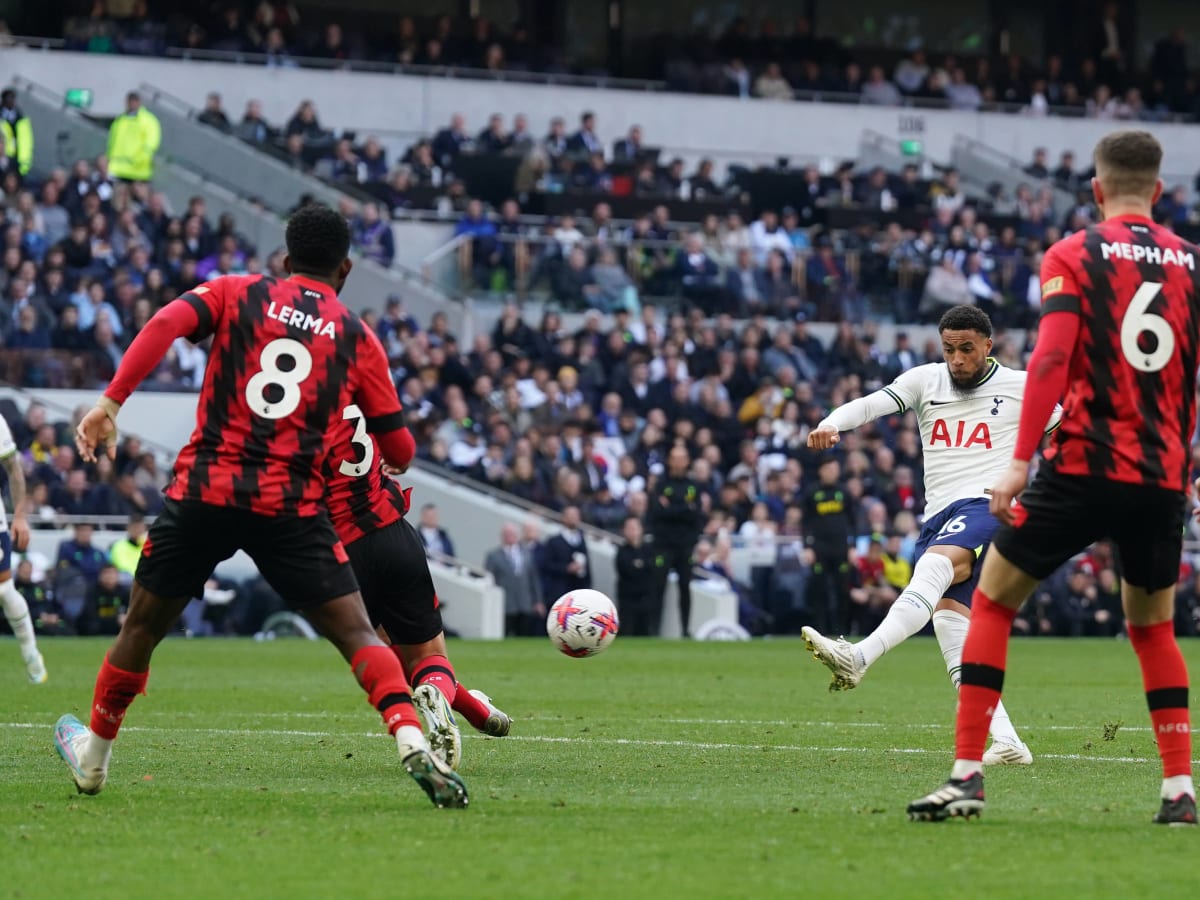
(980, 165)
(73, 136)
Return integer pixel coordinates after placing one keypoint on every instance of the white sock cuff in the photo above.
(931, 578)
(950, 618)
(1178, 784)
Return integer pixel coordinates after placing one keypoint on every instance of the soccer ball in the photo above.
(582, 623)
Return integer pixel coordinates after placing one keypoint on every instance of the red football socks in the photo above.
(984, 656)
(435, 670)
(473, 710)
(115, 690)
(1165, 678)
(381, 676)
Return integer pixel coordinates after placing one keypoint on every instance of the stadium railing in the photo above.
(451, 266)
(48, 44)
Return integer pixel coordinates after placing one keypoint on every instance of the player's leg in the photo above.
(1060, 519)
(946, 556)
(184, 545)
(474, 705)
(16, 611)
(303, 560)
(683, 569)
(951, 620)
(400, 597)
(1149, 553)
(1003, 587)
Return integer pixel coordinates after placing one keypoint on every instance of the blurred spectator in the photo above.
(213, 114)
(133, 141)
(450, 142)
(515, 570)
(771, 85)
(77, 567)
(253, 129)
(565, 564)
(639, 582)
(17, 133)
(126, 551)
(435, 538)
(48, 616)
(373, 236)
(878, 91)
(106, 605)
(584, 142)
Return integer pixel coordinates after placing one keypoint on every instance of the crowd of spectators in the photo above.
(585, 420)
(762, 58)
(85, 262)
(925, 241)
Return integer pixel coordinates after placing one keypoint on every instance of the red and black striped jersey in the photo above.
(360, 497)
(1129, 408)
(287, 360)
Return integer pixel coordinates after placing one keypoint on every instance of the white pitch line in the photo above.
(897, 726)
(621, 742)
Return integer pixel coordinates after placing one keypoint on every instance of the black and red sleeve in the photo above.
(208, 300)
(380, 403)
(1049, 366)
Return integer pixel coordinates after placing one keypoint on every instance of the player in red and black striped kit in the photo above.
(367, 509)
(287, 359)
(1118, 341)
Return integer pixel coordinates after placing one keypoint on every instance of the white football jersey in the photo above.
(7, 448)
(967, 438)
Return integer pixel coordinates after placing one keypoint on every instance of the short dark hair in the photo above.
(1127, 163)
(966, 318)
(318, 239)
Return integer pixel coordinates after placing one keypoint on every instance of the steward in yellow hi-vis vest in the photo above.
(17, 132)
(133, 140)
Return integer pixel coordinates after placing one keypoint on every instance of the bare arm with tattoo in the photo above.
(16, 488)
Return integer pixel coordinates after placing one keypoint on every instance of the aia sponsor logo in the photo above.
(980, 435)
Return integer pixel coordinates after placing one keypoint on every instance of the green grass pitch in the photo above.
(656, 770)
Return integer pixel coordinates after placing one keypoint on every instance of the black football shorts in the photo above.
(301, 557)
(398, 591)
(1066, 513)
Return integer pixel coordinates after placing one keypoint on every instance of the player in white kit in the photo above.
(968, 411)
(16, 610)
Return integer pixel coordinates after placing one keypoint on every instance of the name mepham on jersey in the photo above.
(1155, 256)
(299, 319)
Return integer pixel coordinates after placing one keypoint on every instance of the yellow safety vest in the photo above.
(18, 142)
(132, 143)
(125, 554)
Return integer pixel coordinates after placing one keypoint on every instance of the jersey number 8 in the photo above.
(271, 380)
(1137, 322)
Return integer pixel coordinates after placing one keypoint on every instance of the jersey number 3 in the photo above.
(360, 439)
(1138, 322)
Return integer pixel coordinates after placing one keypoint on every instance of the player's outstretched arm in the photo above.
(853, 414)
(99, 426)
(1048, 370)
(377, 398)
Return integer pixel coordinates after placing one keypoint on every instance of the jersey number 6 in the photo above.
(1137, 322)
